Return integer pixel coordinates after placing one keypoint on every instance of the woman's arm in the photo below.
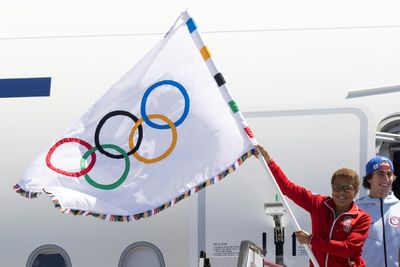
(300, 195)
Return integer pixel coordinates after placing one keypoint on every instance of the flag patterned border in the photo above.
(146, 214)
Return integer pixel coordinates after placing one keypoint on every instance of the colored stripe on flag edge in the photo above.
(24, 193)
(129, 218)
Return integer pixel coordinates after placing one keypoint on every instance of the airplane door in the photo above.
(309, 144)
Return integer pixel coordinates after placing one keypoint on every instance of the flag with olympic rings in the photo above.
(167, 129)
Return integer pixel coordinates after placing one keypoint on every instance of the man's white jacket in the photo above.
(381, 249)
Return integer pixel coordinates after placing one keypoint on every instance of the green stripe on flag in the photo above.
(233, 106)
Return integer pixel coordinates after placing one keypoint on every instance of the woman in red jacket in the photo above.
(339, 227)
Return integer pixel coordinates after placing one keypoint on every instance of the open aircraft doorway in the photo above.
(388, 144)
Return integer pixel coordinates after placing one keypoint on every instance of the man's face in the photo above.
(381, 183)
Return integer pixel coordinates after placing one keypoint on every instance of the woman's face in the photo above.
(343, 193)
(381, 183)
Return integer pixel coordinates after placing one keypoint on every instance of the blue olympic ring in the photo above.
(146, 95)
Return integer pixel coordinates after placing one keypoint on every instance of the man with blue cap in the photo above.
(383, 243)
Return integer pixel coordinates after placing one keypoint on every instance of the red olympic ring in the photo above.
(70, 140)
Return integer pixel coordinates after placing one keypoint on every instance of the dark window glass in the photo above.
(49, 260)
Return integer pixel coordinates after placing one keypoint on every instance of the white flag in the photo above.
(160, 134)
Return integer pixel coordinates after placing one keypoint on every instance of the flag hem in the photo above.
(26, 194)
(135, 217)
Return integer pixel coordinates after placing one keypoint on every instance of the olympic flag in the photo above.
(167, 129)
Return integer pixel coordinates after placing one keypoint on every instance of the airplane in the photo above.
(308, 140)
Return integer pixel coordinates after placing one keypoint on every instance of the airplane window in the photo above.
(49, 256)
(141, 254)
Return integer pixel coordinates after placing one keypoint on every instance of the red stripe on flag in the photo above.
(249, 132)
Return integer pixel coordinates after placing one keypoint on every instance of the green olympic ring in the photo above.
(106, 186)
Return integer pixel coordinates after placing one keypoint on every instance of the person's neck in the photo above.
(341, 210)
(377, 194)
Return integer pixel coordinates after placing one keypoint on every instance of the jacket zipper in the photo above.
(330, 236)
(330, 232)
(383, 232)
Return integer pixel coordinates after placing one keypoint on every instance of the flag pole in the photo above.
(289, 210)
(240, 119)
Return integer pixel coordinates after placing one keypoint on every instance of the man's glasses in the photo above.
(344, 188)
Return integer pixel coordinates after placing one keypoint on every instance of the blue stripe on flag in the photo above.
(25, 87)
(191, 25)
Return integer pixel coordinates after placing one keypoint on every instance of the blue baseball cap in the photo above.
(378, 163)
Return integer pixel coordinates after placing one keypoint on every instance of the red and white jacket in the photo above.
(335, 242)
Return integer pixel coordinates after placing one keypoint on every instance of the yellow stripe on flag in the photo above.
(205, 53)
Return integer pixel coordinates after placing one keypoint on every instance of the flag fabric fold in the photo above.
(164, 131)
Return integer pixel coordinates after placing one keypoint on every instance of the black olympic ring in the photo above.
(101, 123)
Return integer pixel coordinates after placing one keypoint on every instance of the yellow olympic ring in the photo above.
(167, 152)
